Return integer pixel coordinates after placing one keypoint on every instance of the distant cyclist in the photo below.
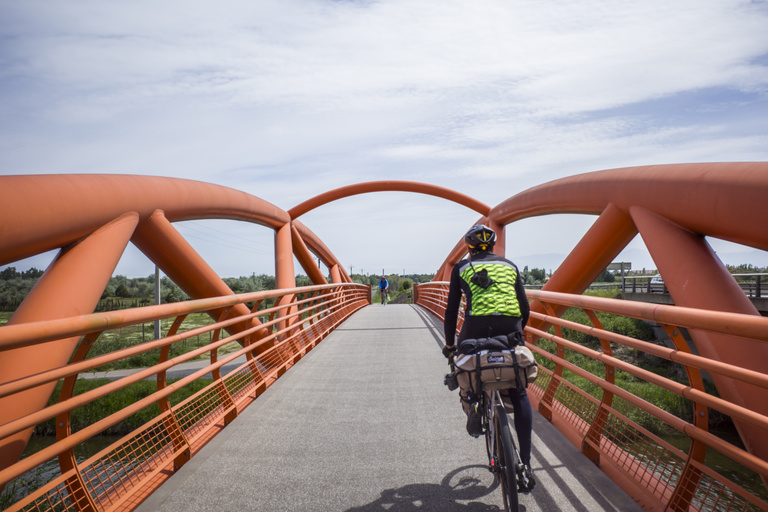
(383, 288)
(496, 304)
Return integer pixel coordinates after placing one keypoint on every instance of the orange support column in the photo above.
(336, 274)
(305, 258)
(697, 278)
(160, 242)
(457, 254)
(284, 272)
(443, 273)
(71, 286)
(500, 248)
(610, 233)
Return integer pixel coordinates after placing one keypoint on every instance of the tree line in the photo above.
(124, 292)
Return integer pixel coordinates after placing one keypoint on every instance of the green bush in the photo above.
(634, 328)
(103, 407)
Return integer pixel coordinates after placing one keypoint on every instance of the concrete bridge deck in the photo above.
(364, 423)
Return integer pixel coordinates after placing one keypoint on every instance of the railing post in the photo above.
(548, 398)
(686, 486)
(170, 422)
(76, 486)
(591, 444)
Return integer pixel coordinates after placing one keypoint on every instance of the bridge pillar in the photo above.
(71, 286)
(163, 244)
(336, 274)
(284, 273)
(696, 278)
(305, 257)
(610, 233)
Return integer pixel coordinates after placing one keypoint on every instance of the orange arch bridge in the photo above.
(90, 219)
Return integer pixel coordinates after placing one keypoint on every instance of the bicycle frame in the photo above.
(489, 402)
(503, 455)
(500, 456)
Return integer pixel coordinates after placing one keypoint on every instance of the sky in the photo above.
(286, 99)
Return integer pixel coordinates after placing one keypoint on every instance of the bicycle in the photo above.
(503, 457)
(383, 295)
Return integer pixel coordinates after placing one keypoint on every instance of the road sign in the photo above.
(620, 265)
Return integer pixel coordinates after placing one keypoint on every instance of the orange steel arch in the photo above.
(91, 219)
(45, 212)
(387, 186)
(673, 207)
(408, 186)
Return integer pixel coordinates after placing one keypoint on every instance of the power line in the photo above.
(194, 230)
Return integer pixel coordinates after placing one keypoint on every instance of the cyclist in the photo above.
(383, 288)
(495, 305)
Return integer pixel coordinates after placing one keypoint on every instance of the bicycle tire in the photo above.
(487, 427)
(507, 457)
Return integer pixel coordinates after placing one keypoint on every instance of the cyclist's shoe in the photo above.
(474, 421)
(525, 480)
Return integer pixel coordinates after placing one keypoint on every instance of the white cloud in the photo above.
(287, 99)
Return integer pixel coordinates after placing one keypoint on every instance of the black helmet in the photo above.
(480, 238)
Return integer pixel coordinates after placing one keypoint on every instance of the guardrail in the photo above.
(754, 285)
(584, 405)
(122, 475)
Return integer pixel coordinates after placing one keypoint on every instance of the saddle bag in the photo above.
(495, 364)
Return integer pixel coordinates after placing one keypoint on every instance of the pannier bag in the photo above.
(497, 369)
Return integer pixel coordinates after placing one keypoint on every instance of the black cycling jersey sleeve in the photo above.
(452, 308)
(522, 300)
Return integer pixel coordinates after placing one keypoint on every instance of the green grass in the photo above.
(103, 407)
(117, 339)
(84, 416)
(670, 402)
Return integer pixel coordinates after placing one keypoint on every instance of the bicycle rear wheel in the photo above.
(507, 457)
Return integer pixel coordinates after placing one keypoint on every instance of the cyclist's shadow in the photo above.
(454, 493)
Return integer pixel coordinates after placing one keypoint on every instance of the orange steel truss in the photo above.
(123, 474)
(592, 410)
(90, 219)
(673, 207)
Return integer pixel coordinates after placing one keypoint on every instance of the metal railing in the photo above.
(754, 285)
(281, 327)
(591, 408)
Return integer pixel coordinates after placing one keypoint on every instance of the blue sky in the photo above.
(287, 99)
